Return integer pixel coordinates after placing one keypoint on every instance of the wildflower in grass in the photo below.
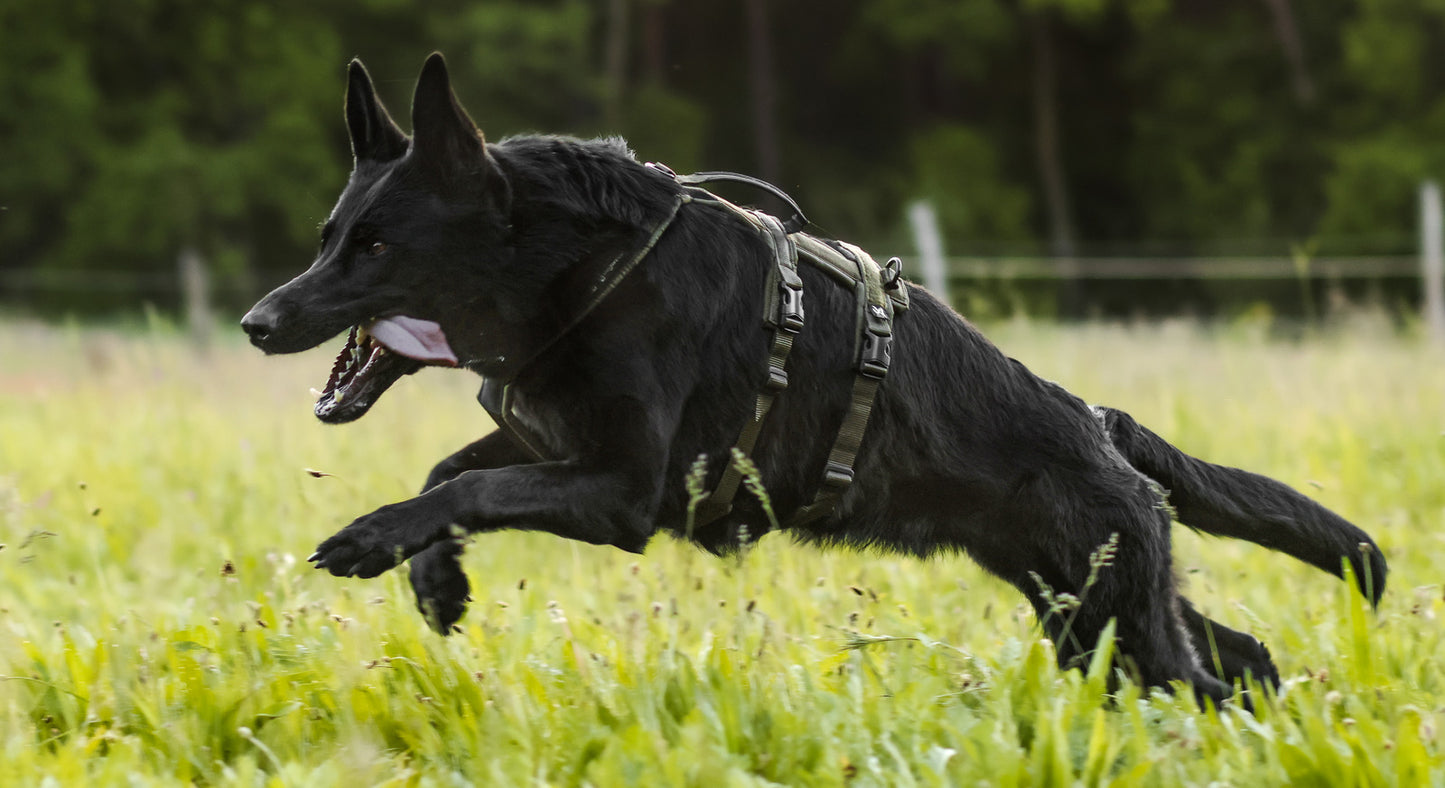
(1066, 604)
(753, 480)
(696, 476)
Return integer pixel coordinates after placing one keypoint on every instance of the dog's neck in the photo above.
(592, 181)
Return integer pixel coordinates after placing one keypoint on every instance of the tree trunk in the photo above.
(1287, 32)
(1062, 243)
(764, 92)
(654, 45)
(616, 54)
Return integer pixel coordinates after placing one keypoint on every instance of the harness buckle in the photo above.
(837, 475)
(877, 355)
(777, 379)
(791, 309)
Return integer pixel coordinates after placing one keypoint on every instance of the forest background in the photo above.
(137, 131)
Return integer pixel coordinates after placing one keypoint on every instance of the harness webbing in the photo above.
(875, 356)
(496, 396)
(878, 300)
(783, 311)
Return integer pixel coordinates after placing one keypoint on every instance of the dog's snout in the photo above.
(259, 324)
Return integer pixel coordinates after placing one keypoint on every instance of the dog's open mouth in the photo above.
(377, 354)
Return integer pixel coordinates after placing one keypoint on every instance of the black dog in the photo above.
(446, 250)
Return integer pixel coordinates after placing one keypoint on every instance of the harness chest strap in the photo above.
(496, 396)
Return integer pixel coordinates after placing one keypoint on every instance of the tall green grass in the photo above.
(158, 627)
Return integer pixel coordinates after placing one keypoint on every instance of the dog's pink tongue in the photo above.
(422, 340)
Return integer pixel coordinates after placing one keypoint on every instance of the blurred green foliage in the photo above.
(133, 129)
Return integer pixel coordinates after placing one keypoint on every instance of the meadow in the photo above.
(158, 625)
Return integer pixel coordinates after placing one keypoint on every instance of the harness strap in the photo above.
(496, 395)
(875, 356)
(783, 311)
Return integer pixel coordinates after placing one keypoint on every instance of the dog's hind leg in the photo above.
(1230, 502)
(1134, 586)
(436, 575)
(1226, 652)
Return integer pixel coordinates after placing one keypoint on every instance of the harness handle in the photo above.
(795, 223)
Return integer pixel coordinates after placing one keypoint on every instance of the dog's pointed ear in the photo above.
(374, 135)
(445, 135)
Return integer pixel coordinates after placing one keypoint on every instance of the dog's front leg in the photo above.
(436, 575)
(569, 499)
(494, 450)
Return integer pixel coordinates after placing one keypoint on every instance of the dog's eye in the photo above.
(376, 248)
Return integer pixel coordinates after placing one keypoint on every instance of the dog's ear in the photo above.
(445, 137)
(374, 135)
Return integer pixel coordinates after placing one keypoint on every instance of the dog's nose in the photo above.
(259, 325)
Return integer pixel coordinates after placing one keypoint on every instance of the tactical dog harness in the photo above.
(879, 295)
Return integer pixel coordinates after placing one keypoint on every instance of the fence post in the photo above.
(196, 292)
(929, 242)
(1432, 260)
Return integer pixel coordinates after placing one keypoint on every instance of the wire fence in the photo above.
(16, 285)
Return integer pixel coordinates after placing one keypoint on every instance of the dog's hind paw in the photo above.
(442, 590)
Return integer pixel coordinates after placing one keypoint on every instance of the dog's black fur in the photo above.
(966, 450)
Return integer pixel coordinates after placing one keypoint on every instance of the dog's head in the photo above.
(410, 257)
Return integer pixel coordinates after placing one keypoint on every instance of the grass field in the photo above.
(158, 626)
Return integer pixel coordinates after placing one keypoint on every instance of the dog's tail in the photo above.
(1230, 502)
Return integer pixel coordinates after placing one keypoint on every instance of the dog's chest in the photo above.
(530, 421)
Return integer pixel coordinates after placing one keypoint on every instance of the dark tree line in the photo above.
(134, 130)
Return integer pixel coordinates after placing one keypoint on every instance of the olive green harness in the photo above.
(878, 293)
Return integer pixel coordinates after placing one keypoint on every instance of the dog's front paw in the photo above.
(375, 543)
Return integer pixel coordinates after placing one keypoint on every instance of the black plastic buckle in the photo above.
(877, 355)
(791, 319)
(777, 379)
(837, 475)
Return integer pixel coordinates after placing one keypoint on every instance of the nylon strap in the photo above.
(496, 397)
(783, 311)
(874, 356)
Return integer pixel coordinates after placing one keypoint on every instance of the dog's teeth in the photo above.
(336, 397)
(361, 334)
(315, 393)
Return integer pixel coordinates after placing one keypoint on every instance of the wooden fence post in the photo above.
(930, 248)
(1432, 260)
(196, 293)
